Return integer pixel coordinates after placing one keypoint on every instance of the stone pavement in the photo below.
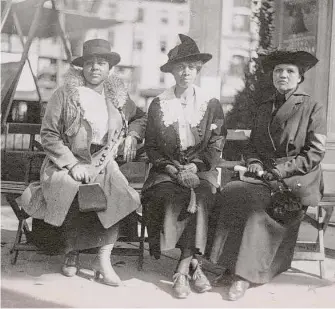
(35, 281)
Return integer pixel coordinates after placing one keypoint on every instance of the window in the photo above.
(164, 17)
(163, 46)
(140, 15)
(241, 23)
(181, 19)
(162, 78)
(111, 38)
(138, 45)
(237, 65)
(242, 3)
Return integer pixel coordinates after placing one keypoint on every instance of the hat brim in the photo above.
(302, 59)
(203, 57)
(112, 58)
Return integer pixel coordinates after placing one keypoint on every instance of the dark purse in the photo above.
(285, 205)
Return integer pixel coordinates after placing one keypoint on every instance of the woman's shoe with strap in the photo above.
(70, 265)
(238, 288)
(102, 266)
(181, 286)
(199, 281)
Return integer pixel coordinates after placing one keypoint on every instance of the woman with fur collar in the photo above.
(184, 140)
(86, 116)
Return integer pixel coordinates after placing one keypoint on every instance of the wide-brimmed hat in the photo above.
(97, 47)
(301, 59)
(187, 50)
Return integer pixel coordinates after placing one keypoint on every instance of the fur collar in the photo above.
(114, 88)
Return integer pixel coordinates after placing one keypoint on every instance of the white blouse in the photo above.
(95, 111)
(185, 133)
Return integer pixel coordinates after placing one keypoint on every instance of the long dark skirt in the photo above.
(247, 240)
(168, 222)
(79, 231)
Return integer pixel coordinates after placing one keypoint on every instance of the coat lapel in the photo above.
(287, 110)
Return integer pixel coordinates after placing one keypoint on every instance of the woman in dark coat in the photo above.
(85, 121)
(287, 141)
(184, 140)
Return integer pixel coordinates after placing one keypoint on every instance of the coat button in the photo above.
(104, 154)
(101, 172)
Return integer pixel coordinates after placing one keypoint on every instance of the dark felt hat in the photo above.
(186, 50)
(97, 47)
(301, 59)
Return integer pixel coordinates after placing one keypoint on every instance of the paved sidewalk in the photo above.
(35, 281)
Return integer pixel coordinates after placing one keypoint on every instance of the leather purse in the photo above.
(91, 197)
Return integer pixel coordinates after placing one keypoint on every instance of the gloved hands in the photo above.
(271, 175)
(191, 167)
(171, 170)
(255, 168)
(129, 152)
(188, 179)
(79, 172)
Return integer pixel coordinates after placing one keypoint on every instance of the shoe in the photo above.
(181, 286)
(238, 288)
(70, 265)
(199, 281)
(102, 266)
(224, 279)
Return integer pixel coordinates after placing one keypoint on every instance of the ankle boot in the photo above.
(70, 265)
(199, 281)
(102, 266)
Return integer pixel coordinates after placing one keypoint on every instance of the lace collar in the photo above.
(172, 109)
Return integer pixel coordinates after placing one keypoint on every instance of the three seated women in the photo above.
(184, 139)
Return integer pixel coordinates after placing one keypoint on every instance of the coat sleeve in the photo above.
(251, 154)
(137, 120)
(209, 158)
(51, 129)
(151, 148)
(314, 149)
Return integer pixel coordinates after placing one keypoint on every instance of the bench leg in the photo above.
(142, 239)
(18, 238)
(321, 242)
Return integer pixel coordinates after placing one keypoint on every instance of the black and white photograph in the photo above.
(167, 153)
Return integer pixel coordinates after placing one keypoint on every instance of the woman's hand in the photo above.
(171, 170)
(129, 152)
(80, 173)
(188, 179)
(255, 168)
(191, 167)
(271, 175)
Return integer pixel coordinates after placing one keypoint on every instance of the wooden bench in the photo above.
(315, 250)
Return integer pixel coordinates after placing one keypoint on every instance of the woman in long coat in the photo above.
(287, 141)
(85, 119)
(184, 140)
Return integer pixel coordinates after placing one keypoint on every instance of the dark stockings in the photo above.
(187, 259)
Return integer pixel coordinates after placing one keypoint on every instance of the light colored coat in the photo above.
(66, 138)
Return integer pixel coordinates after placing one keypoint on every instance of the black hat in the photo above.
(301, 59)
(97, 47)
(187, 50)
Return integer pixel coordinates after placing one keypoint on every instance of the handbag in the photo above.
(286, 205)
(91, 196)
